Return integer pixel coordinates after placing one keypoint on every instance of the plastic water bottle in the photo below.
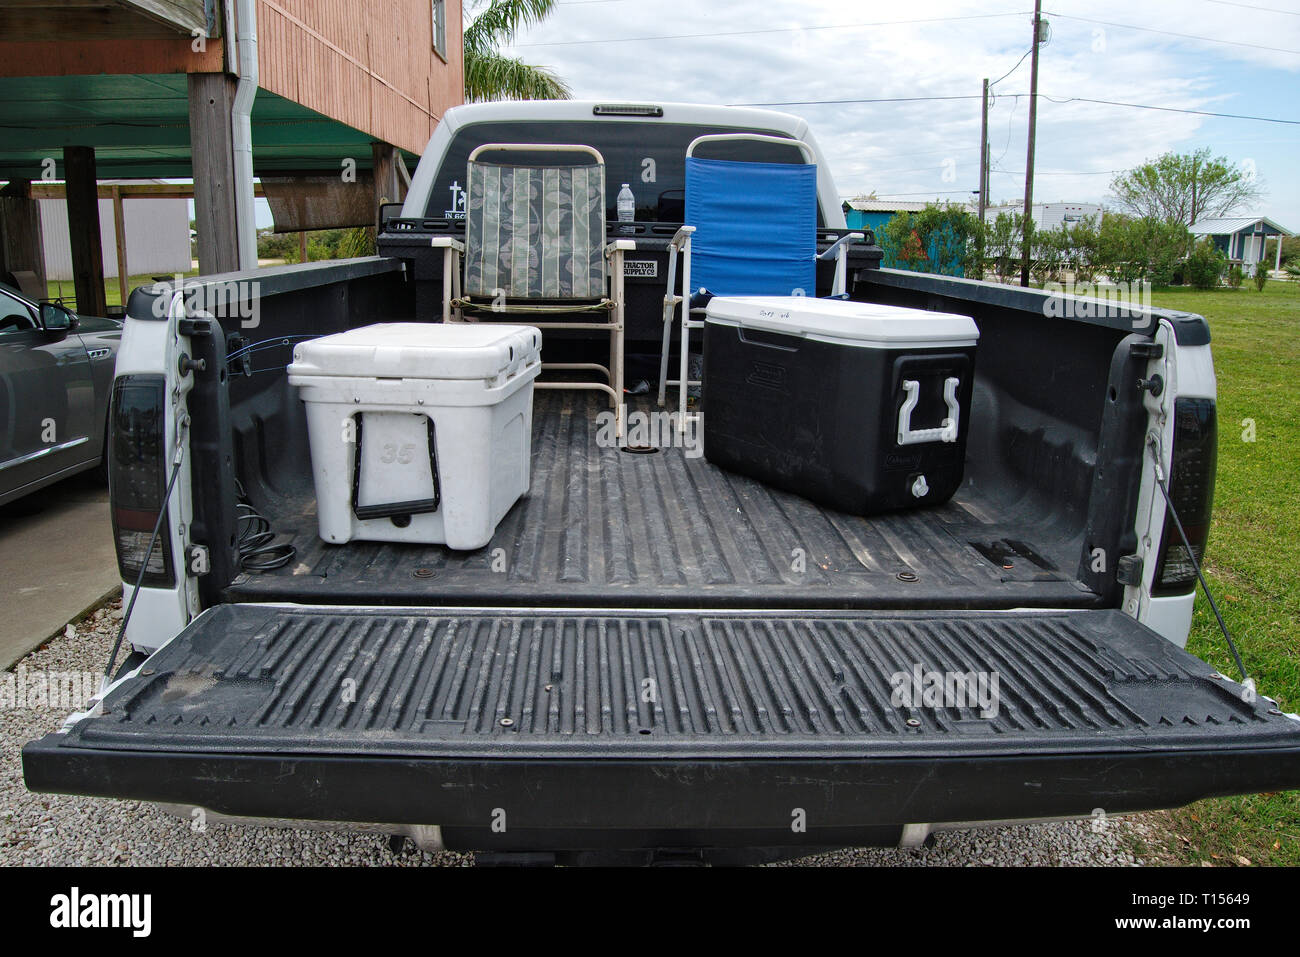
(626, 208)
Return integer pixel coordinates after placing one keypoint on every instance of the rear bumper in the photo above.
(842, 799)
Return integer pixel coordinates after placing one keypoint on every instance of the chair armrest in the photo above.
(620, 245)
(842, 241)
(447, 242)
(680, 237)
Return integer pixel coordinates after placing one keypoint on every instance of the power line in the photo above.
(1038, 173)
(1012, 70)
(948, 152)
(1011, 119)
(1170, 33)
(1017, 96)
(878, 99)
(1172, 109)
(749, 33)
(926, 192)
(1251, 6)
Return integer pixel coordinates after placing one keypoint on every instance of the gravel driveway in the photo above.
(44, 829)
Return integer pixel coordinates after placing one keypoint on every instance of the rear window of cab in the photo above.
(649, 157)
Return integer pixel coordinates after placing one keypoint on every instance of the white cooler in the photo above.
(419, 432)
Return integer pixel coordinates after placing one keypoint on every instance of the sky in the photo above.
(1209, 55)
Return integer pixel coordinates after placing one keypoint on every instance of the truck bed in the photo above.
(610, 528)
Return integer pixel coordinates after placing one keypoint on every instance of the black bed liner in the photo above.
(424, 715)
(609, 528)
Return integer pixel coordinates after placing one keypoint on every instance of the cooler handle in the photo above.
(944, 433)
(366, 513)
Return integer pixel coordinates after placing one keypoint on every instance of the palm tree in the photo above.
(490, 74)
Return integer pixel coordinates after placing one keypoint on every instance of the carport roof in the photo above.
(139, 126)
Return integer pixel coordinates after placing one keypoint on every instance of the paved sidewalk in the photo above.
(54, 563)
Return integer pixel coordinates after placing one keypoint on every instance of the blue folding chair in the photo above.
(751, 230)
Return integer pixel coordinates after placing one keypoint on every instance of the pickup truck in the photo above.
(496, 700)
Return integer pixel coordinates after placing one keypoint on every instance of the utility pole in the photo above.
(984, 169)
(1026, 240)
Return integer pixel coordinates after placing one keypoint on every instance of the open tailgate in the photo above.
(676, 721)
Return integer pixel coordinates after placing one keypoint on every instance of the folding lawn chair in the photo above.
(751, 230)
(535, 245)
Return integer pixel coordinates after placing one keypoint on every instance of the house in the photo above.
(871, 213)
(1049, 216)
(1244, 239)
(307, 96)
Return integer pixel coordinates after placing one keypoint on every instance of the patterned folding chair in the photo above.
(751, 230)
(535, 245)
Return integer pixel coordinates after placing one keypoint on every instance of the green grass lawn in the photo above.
(63, 289)
(1253, 555)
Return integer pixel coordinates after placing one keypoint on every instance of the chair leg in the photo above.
(615, 355)
(683, 382)
(663, 352)
(446, 285)
(620, 404)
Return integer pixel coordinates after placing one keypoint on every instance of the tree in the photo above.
(1134, 250)
(1183, 188)
(489, 73)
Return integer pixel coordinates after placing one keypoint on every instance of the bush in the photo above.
(1291, 251)
(941, 239)
(1002, 245)
(1235, 276)
(277, 246)
(1204, 267)
(321, 244)
(1261, 276)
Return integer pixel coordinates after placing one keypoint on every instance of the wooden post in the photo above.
(984, 171)
(119, 228)
(388, 185)
(21, 248)
(83, 230)
(212, 156)
(302, 245)
(1026, 240)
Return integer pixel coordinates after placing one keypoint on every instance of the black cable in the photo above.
(1012, 70)
(255, 541)
(1169, 33)
(144, 564)
(255, 538)
(1191, 556)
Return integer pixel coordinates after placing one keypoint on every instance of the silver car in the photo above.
(56, 375)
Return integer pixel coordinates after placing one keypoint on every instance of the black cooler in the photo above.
(857, 406)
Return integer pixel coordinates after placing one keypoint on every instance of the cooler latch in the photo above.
(947, 432)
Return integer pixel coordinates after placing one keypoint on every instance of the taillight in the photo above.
(1191, 486)
(137, 469)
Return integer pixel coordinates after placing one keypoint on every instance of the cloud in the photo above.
(728, 51)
